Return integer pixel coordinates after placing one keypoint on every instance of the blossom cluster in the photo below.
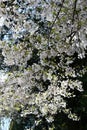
(43, 51)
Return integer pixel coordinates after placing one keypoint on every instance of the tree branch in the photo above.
(57, 17)
(74, 11)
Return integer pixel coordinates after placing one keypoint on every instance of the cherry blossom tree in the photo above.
(43, 45)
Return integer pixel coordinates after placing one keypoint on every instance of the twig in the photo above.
(73, 18)
(74, 11)
(57, 17)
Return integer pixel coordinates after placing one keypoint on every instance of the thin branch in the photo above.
(74, 11)
(73, 18)
(57, 17)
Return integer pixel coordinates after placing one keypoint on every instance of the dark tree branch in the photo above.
(57, 17)
(74, 11)
(73, 19)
